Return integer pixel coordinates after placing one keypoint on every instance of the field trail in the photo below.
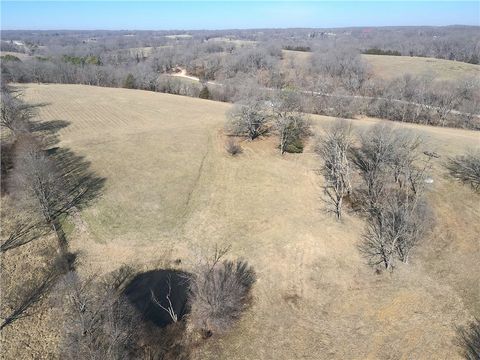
(172, 192)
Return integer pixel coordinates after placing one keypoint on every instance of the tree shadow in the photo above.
(49, 130)
(80, 184)
(468, 339)
(166, 286)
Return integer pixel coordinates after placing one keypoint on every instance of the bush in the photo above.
(9, 57)
(233, 147)
(377, 51)
(204, 93)
(297, 48)
(129, 82)
(466, 168)
(295, 147)
(219, 293)
(469, 340)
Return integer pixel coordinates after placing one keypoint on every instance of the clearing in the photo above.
(390, 67)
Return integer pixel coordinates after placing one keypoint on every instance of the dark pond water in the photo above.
(161, 282)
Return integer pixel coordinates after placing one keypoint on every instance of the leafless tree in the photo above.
(466, 168)
(219, 293)
(50, 183)
(372, 159)
(396, 229)
(334, 149)
(398, 215)
(99, 321)
(169, 309)
(289, 122)
(248, 119)
(38, 183)
(15, 114)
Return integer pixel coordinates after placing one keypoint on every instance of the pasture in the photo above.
(172, 193)
(391, 67)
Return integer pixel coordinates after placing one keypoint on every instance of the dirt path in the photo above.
(183, 74)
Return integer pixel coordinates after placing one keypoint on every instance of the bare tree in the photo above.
(38, 183)
(372, 159)
(466, 168)
(169, 309)
(100, 323)
(398, 215)
(15, 114)
(396, 229)
(51, 183)
(334, 150)
(219, 293)
(248, 119)
(290, 123)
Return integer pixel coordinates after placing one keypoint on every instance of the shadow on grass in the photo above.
(468, 339)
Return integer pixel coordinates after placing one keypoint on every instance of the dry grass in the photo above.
(21, 56)
(389, 67)
(172, 189)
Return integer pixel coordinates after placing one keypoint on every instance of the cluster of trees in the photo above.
(466, 168)
(44, 185)
(279, 114)
(336, 79)
(377, 51)
(390, 192)
(113, 317)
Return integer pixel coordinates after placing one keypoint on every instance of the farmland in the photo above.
(172, 192)
(391, 67)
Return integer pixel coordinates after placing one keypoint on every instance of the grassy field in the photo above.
(390, 67)
(172, 192)
(21, 56)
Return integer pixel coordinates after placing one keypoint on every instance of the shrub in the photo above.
(129, 82)
(233, 147)
(377, 51)
(204, 93)
(466, 168)
(295, 147)
(297, 48)
(469, 340)
(219, 293)
(9, 57)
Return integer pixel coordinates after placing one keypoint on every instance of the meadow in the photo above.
(173, 193)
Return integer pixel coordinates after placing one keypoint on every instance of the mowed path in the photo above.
(172, 191)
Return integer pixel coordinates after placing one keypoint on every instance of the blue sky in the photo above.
(164, 15)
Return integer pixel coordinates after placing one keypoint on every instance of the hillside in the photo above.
(172, 192)
(390, 67)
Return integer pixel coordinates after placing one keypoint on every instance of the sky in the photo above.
(194, 15)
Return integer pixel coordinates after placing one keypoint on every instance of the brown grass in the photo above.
(172, 191)
(390, 67)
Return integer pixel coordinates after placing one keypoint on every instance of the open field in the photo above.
(172, 192)
(19, 55)
(390, 67)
